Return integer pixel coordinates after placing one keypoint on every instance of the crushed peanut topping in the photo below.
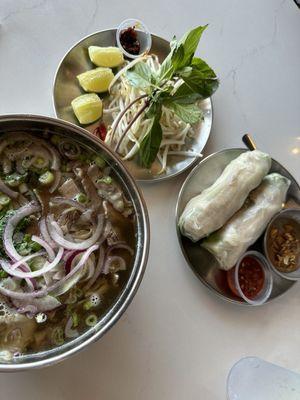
(285, 246)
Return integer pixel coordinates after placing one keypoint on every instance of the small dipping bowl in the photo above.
(291, 217)
(143, 36)
(265, 291)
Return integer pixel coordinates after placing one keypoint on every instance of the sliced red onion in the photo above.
(46, 246)
(55, 158)
(120, 245)
(57, 236)
(29, 308)
(112, 259)
(8, 139)
(98, 269)
(19, 166)
(12, 222)
(24, 260)
(43, 292)
(69, 258)
(45, 233)
(56, 182)
(6, 165)
(5, 189)
(55, 165)
(69, 331)
(73, 152)
(69, 202)
(33, 274)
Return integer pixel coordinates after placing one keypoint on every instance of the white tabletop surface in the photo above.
(176, 341)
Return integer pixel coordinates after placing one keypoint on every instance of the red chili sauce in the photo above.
(251, 277)
(100, 131)
(129, 41)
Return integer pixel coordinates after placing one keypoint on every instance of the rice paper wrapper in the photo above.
(209, 211)
(245, 227)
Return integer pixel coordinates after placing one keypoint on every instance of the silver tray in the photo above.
(66, 88)
(200, 260)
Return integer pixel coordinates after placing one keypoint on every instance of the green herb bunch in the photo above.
(181, 81)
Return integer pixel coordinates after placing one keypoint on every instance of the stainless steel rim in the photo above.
(158, 178)
(127, 295)
(219, 295)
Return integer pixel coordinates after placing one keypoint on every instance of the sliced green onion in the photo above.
(47, 178)
(81, 198)
(99, 161)
(15, 179)
(3, 274)
(55, 139)
(105, 179)
(4, 200)
(78, 292)
(91, 320)
(58, 336)
(39, 162)
(75, 319)
(87, 305)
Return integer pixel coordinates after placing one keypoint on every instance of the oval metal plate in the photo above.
(66, 88)
(200, 260)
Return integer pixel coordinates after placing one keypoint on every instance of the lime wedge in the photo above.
(96, 80)
(87, 108)
(106, 56)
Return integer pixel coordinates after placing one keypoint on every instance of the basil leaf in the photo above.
(189, 113)
(201, 66)
(150, 144)
(141, 76)
(181, 53)
(190, 43)
(166, 69)
(204, 87)
(184, 95)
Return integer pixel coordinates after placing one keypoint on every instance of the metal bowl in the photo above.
(66, 88)
(200, 260)
(37, 125)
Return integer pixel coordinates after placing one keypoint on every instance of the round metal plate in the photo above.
(200, 260)
(66, 88)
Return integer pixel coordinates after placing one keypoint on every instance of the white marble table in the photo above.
(176, 341)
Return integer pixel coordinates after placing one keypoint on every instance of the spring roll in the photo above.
(245, 227)
(209, 211)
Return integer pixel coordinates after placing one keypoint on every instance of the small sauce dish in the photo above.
(251, 279)
(133, 38)
(282, 244)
